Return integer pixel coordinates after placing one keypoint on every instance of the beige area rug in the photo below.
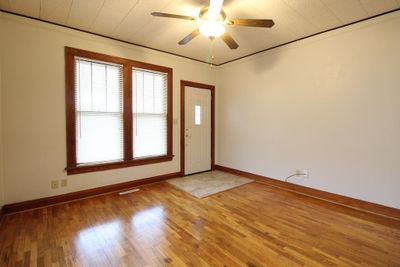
(208, 183)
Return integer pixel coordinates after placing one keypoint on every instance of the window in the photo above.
(197, 115)
(149, 113)
(99, 114)
(119, 112)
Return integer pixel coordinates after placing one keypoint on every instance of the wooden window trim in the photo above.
(128, 161)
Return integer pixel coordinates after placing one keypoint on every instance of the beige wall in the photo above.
(34, 109)
(329, 104)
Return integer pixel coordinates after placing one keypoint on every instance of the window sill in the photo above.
(117, 165)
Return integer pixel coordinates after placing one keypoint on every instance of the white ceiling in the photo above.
(130, 20)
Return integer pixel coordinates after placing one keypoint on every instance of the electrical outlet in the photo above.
(54, 184)
(64, 182)
(302, 172)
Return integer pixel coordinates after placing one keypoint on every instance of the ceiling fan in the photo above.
(212, 21)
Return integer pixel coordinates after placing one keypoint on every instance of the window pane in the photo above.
(99, 117)
(149, 113)
(149, 133)
(99, 137)
(197, 115)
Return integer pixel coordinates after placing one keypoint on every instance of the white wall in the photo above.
(33, 106)
(329, 104)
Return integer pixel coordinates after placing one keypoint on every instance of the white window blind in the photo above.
(99, 111)
(149, 113)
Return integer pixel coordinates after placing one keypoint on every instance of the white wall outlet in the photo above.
(301, 172)
(54, 184)
(64, 182)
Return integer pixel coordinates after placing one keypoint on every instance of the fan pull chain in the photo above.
(211, 53)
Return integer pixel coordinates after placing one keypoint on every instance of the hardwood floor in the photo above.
(252, 225)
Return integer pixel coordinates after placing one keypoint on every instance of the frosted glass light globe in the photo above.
(212, 28)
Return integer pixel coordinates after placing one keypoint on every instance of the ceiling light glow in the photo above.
(212, 29)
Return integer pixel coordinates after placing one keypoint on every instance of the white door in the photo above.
(197, 130)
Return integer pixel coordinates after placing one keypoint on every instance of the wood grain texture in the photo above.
(70, 108)
(252, 225)
(323, 195)
(128, 116)
(42, 202)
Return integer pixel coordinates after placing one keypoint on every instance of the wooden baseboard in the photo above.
(353, 203)
(47, 201)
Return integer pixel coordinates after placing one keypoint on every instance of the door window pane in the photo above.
(197, 115)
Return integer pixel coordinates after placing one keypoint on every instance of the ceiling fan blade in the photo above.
(266, 23)
(189, 37)
(229, 41)
(173, 16)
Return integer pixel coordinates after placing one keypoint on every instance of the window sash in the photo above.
(149, 113)
(127, 112)
(98, 107)
(148, 143)
(82, 154)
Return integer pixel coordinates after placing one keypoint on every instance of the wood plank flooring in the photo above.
(251, 225)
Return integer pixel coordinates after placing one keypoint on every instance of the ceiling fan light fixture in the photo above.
(212, 29)
(211, 23)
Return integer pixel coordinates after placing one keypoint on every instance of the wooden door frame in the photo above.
(184, 84)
